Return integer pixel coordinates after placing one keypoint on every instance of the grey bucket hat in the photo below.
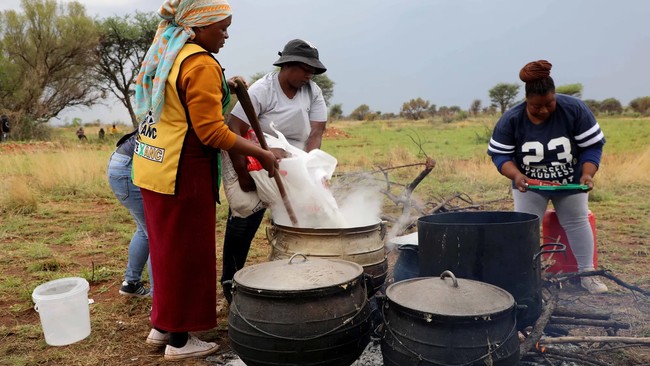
(298, 50)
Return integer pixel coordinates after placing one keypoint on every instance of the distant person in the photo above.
(81, 135)
(119, 179)
(5, 127)
(295, 104)
(101, 133)
(180, 98)
(113, 131)
(552, 137)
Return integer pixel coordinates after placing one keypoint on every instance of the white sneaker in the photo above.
(593, 285)
(193, 348)
(156, 338)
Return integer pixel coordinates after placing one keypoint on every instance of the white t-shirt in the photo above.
(290, 116)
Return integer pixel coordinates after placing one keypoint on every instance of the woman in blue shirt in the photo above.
(552, 137)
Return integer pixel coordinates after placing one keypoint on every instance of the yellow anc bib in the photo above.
(159, 143)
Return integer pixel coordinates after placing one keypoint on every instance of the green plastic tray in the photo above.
(563, 187)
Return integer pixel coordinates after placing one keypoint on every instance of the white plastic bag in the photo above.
(304, 177)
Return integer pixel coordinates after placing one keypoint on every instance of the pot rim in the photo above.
(524, 218)
(314, 292)
(296, 276)
(444, 318)
(329, 230)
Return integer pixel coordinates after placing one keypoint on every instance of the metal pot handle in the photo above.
(300, 254)
(382, 229)
(271, 234)
(562, 249)
(369, 284)
(450, 275)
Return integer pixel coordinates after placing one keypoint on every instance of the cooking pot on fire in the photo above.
(363, 245)
(448, 321)
(300, 311)
(501, 248)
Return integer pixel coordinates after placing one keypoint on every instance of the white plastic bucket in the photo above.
(63, 308)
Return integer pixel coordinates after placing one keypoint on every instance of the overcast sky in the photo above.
(449, 52)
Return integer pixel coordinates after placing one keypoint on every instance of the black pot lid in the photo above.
(298, 273)
(448, 296)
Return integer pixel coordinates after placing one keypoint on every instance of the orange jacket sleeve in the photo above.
(201, 80)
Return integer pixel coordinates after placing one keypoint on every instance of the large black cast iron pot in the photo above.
(431, 321)
(300, 311)
(501, 248)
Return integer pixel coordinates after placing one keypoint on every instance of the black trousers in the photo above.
(237, 242)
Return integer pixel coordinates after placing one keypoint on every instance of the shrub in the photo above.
(18, 198)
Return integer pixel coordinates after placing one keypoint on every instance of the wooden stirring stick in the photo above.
(245, 100)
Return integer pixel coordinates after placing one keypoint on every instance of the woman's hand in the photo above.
(233, 84)
(268, 161)
(587, 180)
(521, 182)
(280, 153)
(588, 171)
(509, 169)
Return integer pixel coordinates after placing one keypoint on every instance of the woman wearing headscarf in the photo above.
(181, 95)
(552, 137)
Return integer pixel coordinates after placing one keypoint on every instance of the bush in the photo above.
(22, 128)
(18, 198)
(641, 105)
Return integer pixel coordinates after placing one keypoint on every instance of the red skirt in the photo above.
(181, 230)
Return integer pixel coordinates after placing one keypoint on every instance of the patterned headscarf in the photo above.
(179, 16)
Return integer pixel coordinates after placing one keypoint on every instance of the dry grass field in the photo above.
(58, 218)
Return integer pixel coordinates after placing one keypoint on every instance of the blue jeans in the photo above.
(119, 178)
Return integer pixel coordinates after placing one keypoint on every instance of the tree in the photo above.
(593, 105)
(124, 42)
(570, 89)
(49, 51)
(336, 111)
(446, 114)
(432, 110)
(360, 112)
(503, 95)
(611, 106)
(475, 108)
(641, 105)
(326, 85)
(414, 109)
(9, 79)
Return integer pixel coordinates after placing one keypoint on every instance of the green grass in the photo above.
(625, 135)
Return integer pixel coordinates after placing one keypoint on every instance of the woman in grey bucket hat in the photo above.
(294, 103)
(298, 50)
